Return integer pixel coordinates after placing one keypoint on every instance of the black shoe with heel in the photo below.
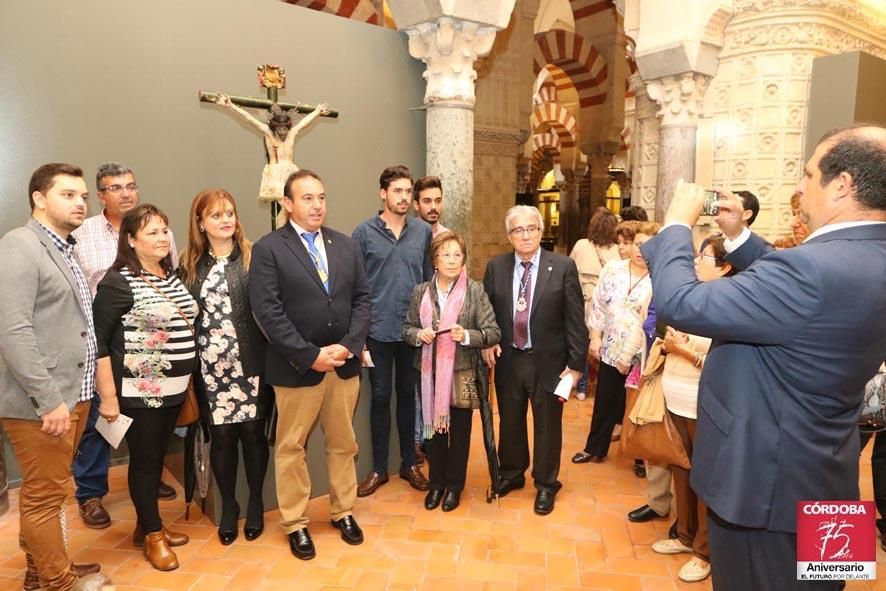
(255, 520)
(227, 525)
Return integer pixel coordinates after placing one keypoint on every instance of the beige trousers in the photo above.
(331, 404)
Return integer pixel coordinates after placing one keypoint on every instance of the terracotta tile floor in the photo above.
(586, 543)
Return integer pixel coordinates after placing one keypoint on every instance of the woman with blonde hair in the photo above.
(215, 269)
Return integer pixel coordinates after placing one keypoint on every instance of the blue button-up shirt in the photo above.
(533, 278)
(393, 267)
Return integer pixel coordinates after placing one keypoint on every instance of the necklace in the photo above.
(220, 256)
(631, 286)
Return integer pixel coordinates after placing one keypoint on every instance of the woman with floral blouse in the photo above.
(619, 305)
(143, 326)
(214, 267)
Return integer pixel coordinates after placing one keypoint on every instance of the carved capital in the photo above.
(679, 98)
(449, 47)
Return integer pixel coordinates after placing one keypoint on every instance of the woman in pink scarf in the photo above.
(450, 319)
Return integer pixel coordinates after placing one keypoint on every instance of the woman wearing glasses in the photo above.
(685, 357)
(215, 269)
(618, 310)
(450, 319)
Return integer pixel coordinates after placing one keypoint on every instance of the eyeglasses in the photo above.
(530, 230)
(116, 189)
(701, 256)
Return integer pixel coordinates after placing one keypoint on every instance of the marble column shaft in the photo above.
(450, 155)
(676, 160)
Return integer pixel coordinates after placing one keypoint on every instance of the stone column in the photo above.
(448, 39)
(570, 218)
(599, 173)
(644, 165)
(584, 201)
(679, 98)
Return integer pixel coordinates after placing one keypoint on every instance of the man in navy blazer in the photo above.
(310, 297)
(797, 334)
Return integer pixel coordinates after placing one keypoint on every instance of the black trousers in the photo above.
(609, 409)
(522, 387)
(878, 472)
(148, 438)
(448, 452)
(744, 559)
(385, 357)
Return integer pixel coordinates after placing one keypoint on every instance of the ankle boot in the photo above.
(158, 552)
(32, 579)
(172, 538)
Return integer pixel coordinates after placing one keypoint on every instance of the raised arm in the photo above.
(322, 109)
(225, 101)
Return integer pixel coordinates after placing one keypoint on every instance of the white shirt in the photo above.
(318, 243)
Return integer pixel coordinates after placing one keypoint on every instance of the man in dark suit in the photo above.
(797, 334)
(310, 297)
(539, 306)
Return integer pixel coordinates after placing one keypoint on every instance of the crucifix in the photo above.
(279, 132)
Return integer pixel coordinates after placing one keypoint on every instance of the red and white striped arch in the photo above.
(547, 93)
(579, 63)
(559, 119)
(358, 10)
(582, 9)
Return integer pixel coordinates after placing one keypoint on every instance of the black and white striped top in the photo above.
(150, 344)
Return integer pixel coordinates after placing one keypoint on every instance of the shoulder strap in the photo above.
(177, 307)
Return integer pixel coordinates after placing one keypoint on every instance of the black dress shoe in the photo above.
(301, 545)
(165, 492)
(544, 502)
(644, 513)
(252, 533)
(227, 536)
(672, 532)
(451, 501)
(350, 531)
(584, 457)
(433, 498)
(507, 486)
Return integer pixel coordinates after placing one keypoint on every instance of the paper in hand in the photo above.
(366, 359)
(113, 432)
(564, 388)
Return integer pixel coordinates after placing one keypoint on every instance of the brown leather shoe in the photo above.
(94, 514)
(415, 478)
(32, 579)
(172, 538)
(92, 582)
(371, 484)
(158, 552)
(420, 456)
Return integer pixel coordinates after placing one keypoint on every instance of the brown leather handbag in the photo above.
(657, 441)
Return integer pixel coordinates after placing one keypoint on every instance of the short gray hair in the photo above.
(110, 169)
(521, 210)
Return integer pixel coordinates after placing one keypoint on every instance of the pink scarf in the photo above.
(437, 369)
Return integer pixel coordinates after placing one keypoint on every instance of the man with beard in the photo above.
(395, 251)
(47, 366)
(427, 195)
(95, 252)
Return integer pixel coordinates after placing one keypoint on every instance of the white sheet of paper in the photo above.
(113, 432)
(367, 360)
(564, 388)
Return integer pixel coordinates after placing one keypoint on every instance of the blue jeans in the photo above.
(385, 356)
(92, 459)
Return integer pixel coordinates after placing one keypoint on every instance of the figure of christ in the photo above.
(279, 134)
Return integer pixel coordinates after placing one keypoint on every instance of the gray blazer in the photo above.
(476, 317)
(42, 326)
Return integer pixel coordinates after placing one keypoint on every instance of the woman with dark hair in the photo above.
(685, 357)
(450, 319)
(144, 329)
(214, 268)
(591, 254)
(619, 308)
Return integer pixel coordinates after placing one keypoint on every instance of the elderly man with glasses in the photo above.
(539, 307)
(95, 251)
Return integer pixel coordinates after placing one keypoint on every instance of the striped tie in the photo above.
(318, 260)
